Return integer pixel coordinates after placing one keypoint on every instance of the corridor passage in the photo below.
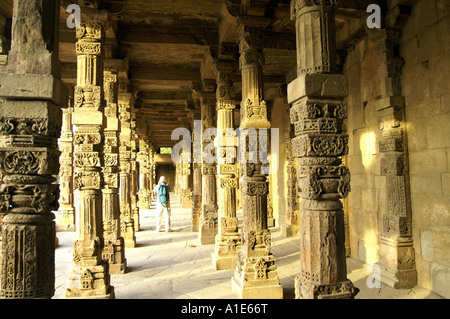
(175, 266)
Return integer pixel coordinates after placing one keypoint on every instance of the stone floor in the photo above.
(175, 266)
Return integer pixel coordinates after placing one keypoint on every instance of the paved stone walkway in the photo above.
(175, 266)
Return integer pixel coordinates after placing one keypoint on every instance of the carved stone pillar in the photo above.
(208, 220)
(30, 124)
(228, 239)
(255, 275)
(397, 255)
(90, 276)
(197, 169)
(151, 173)
(126, 101)
(186, 191)
(144, 172)
(291, 226)
(317, 113)
(196, 197)
(65, 217)
(114, 247)
(134, 175)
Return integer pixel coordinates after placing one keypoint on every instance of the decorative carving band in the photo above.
(87, 159)
(323, 182)
(88, 96)
(88, 48)
(317, 145)
(87, 180)
(29, 161)
(27, 126)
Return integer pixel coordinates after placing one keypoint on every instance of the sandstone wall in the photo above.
(425, 48)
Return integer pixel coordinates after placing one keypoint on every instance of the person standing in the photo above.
(162, 204)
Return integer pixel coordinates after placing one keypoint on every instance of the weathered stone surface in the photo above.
(29, 158)
(90, 277)
(255, 275)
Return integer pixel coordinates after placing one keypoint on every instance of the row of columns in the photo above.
(105, 162)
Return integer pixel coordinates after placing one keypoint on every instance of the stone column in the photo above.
(397, 255)
(30, 124)
(126, 101)
(186, 191)
(317, 113)
(134, 175)
(208, 220)
(255, 275)
(90, 276)
(291, 226)
(228, 239)
(196, 197)
(65, 217)
(144, 167)
(114, 247)
(197, 166)
(151, 172)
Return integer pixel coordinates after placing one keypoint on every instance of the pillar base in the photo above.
(256, 278)
(397, 262)
(90, 283)
(130, 243)
(290, 231)
(207, 235)
(398, 279)
(118, 268)
(226, 249)
(109, 295)
(136, 221)
(223, 262)
(305, 289)
(206, 239)
(247, 291)
(114, 253)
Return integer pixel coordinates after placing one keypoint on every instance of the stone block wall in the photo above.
(425, 81)
(367, 197)
(425, 46)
